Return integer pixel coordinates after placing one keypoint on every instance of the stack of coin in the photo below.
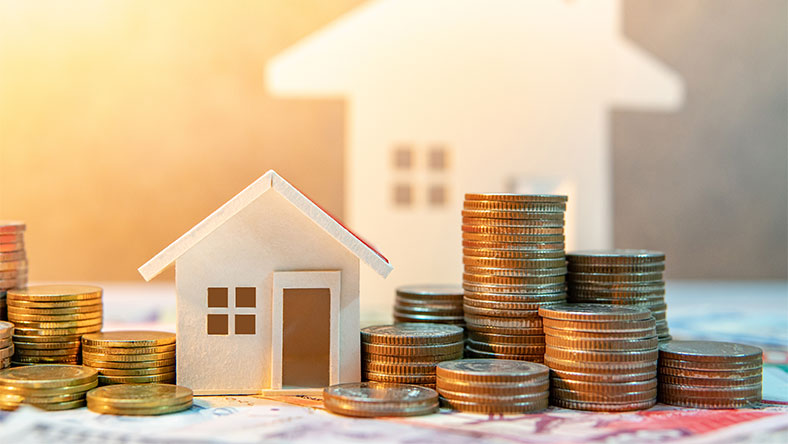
(140, 399)
(408, 353)
(49, 321)
(372, 399)
(13, 261)
(436, 304)
(6, 344)
(493, 385)
(49, 387)
(513, 252)
(621, 277)
(601, 357)
(131, 357)
(712, 375)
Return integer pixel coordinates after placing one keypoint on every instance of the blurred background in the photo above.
(123, 124)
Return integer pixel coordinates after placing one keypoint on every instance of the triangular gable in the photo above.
(269, 180)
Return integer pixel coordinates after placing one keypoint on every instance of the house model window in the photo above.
(241, 312)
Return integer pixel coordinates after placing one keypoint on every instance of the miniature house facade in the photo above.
(453, 96)
(267, 295)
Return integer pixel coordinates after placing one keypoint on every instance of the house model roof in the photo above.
(268, 181)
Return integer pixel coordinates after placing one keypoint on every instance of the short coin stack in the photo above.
(601, 357)
(49, 321)
(131, 357)
(437, 304)
(13, 260)
(513, 253)
(621, 277)
(6, 344)
(408, 353)
(493, 385)
(372, 399)
(49, 387)
(140, 399)
(711, 375)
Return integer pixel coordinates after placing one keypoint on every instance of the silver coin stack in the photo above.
(620, 277)
(514, 263)
(436, 304)
(601, 357)
(13, 261)
(408, 353)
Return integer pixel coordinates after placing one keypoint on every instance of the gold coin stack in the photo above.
(6, 344)
(493, 386)
(131, 357)
(49, 320)
(13, 261)
(140, 399)
(710, 375)
(601, 357)
(408, 353)
(435, 304)
(513, 253)
(620, 277)
(48, 387)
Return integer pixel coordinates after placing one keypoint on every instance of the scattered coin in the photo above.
(375, 399)
(139, 399)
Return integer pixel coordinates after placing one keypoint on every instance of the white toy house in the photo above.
(446, 97)
(267, 295)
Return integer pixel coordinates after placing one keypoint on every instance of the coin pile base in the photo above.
(493, 386)
(407, 353)
(710, 375)
(377, 399)
(131, 357)
(601, 357)
(140, 399)
(435, 304)
(48, 387)
(514, 263)
(13, 261)
(620, 277)
(49, 321)
(6, 344)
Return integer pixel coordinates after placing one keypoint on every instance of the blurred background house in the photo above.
(123, 124)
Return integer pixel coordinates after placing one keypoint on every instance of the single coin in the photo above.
(142, 411)
(139, 395)
(54, 318)
(525, 331)
(448, 305)
(594, 312)
(602, 326)
(68, 359)
(601, 356)
(529, 322)
(129, 338)
(602, 397)
(512, 197)
(401, 379)
(68, 405)
(25, 331)
(498, 409)
(494, 388)
(6, 329)
(47, 352)
(473, 353)
(493, 399)
(11, 226)
(515, 289)
(515, 272)
(518, 230)
(498, 254)
(481, 279)
(600, 335)
(619, 256)
(602, 407)
(135, 371)
(512, 238)
(553, 247)
(430, 292)
(11, 238)
(600, 366)
(128, 365)
(58, 341)
(506, 339)
(743, 391)
(617, 268)
(491, 370)
(13, 265)
(754, 402)
(709, 382)
(601, 344)
(79, 310)
(585, 277)
(404, 318)
(718, 374)
(412, 350)
(617, 288)
(470, 261)
(372, 399)
(12, 246)
(28, 325)
(6, 342)
(371, 357)
(47, 376)
(130, 350)
(45, 293)
(88, 304)
(497, 205)
(412, 334)
(516, 298)
(142, 379)
(48, 399)
(422, 369)
(55, 391)
(557, 215)
(127, 358)
(429, 310)
(709, 351)
(507, 348)
(498, 222)
(500, 313)
(615, 376)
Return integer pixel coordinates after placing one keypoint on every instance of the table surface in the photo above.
(748, 312)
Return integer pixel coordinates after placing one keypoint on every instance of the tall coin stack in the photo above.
(601, 357)
(48, 387)
(493, 386)
(49, 321)
(513, 253)
(131, 357)
(6, 344)
(621, 277)
(13, 261)
(436, 304)
(710, 375)
(408, 353)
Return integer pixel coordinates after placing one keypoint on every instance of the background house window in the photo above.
(437, 195)
(403, 157)
(241, 311)
(403, 195)
(437, 158)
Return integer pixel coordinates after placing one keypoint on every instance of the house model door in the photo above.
(305, 330)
